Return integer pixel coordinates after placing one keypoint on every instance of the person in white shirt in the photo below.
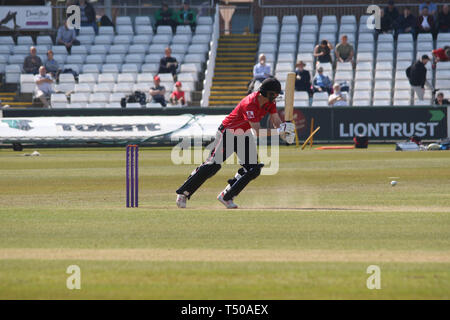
(338, 98)
(261, 71)
(44, 88)
(425, 22)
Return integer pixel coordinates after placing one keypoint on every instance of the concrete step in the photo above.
(241, 93)
(228, 97)
(224, 103)
(218, 83)
(233, 88)
(225, 64)
(21, 104)
(232, 73)
(239, 54)
(231, 69)
(238, 46)
(233, 78)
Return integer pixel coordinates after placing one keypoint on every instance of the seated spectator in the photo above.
(440, 101)
(52, 66)
(338, 98)
(104, 20)
(432, 8)
(66, 37)
(261, 70)
(385, 24)
(43, 86)
(344, 50)
(444, 19)
(165, 17)
(441, 54)
(322, 82)
(177, 96)
(88, 16)
(187, 16)
(425, 22)
(302, 78)
(157, 92)
(390, 16)
(168, 64)
(322, 52)
(406, 22)
(32, 62)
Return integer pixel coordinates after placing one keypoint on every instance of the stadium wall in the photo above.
(339, 124)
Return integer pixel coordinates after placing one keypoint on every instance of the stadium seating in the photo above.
(133, 50)
(114, 62)
(378, 76)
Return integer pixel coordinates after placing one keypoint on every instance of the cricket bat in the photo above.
(289, 101)
(289, 97)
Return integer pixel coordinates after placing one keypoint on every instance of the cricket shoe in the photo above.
(227, 203)
(181, 201)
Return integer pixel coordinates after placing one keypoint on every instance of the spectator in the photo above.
(417, 75)
(322, 52)
(384, 23)
(432, 8)
(157, 92)
(406, 22)
(168, 64)
(337, 99)
(88, 17)
(302, 78)
(165, 17)
(425, 22)
(261, 70)
(187, 16)
(66, 37)
(322, 82)
(391, 14)
(43, 86)
(51, 65)
(344, 50)
(441, 54)
(32, 62)
(444, 19)
(440, 101)
(177, 96)
(387, 25)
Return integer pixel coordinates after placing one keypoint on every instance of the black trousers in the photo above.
(225, 144)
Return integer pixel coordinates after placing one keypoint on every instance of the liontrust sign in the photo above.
(390, 123)
(388, 129)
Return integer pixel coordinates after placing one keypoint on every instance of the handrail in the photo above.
(211, 64)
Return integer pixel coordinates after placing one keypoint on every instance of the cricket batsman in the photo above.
(235, 135)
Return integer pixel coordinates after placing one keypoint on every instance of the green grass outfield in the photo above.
(310, 231)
